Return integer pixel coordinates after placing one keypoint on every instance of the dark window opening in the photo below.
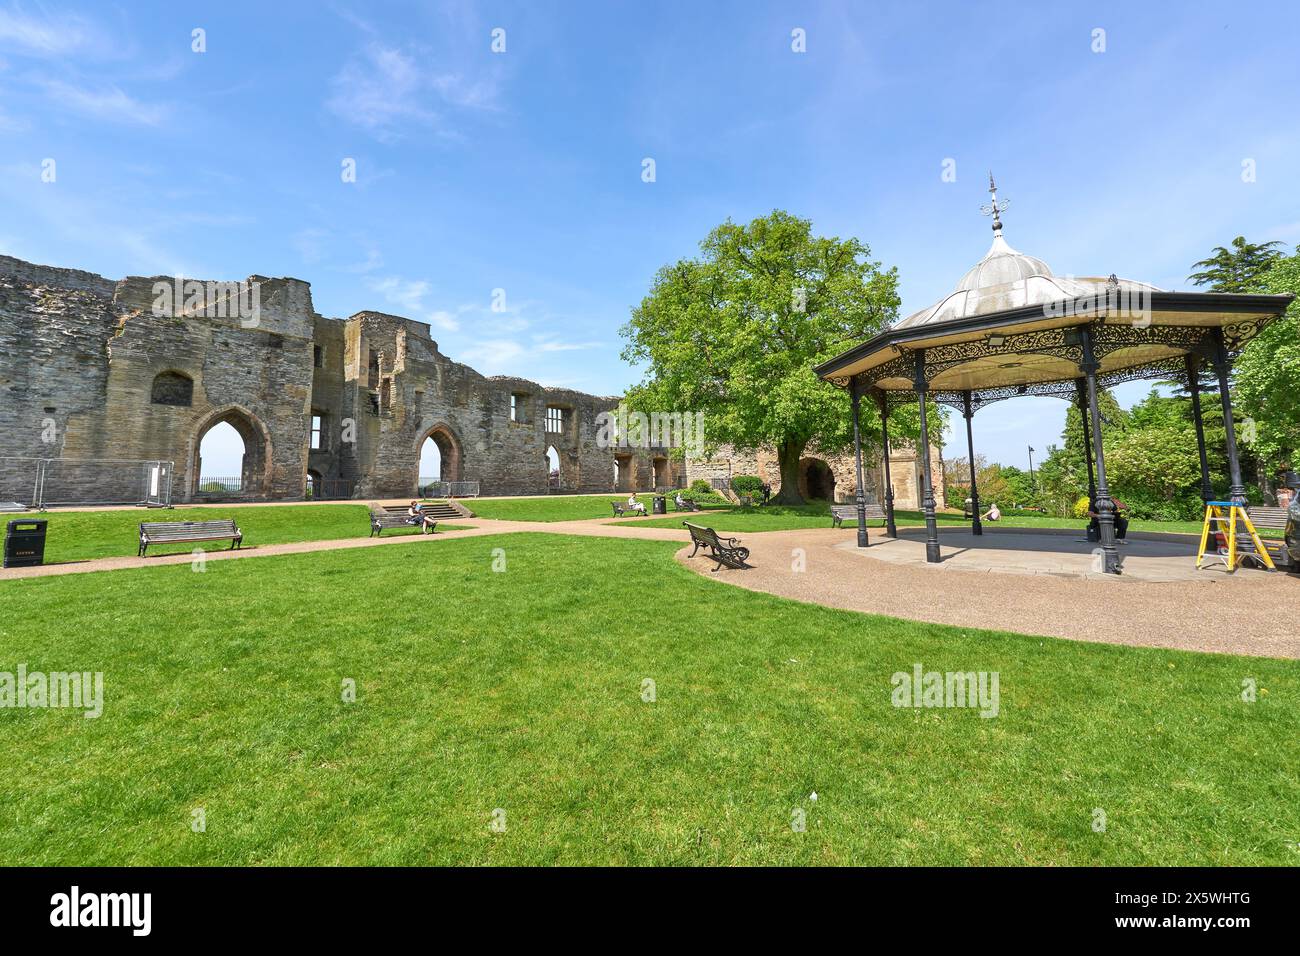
(172, 388)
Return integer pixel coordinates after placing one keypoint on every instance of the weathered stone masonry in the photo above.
(91, 358)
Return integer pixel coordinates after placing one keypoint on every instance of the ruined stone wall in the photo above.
(403, 390)
(904, 466)
(94, 369)
(55, 325)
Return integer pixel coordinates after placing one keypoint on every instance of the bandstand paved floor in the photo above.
(1145, 557)
(1031, 584)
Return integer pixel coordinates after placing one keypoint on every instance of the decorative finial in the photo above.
(995, 207)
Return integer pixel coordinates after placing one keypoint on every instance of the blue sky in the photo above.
(521, 170)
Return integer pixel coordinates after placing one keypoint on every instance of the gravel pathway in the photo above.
(1259, 610)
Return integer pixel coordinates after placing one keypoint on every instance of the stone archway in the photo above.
(255, 469)
(816, 480)
(449, 452)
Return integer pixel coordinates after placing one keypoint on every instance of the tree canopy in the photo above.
(736, 332)
(1239, 269)
(1267, 376)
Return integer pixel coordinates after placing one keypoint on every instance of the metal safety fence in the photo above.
(42, 483)
(433, 488)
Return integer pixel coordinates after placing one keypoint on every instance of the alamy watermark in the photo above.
(1126, 302)
(626, 429)
(922, 688)
(219, 300)
(82, 690)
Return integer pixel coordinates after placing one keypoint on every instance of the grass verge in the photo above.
(84, 535)
(524, 691)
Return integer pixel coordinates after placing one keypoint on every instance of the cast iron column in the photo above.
(927, 487)
(975, 527)
(1103, 504)
(1236, 490)
(882, 400)
(1087, 439)
(856, 397)
(1194, 387)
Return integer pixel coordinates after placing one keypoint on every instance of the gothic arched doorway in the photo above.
(250, 472)
(440, 457)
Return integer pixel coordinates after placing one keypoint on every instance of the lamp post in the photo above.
(1032, 487)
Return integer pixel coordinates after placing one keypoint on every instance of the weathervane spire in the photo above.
(995, 207)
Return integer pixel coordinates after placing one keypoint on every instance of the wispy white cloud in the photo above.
(553, 346)
(43, 34)
(82, 229)
(383, 89)
(494, 356)
(409, 295)
(107, 103)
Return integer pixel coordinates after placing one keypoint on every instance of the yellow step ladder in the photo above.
(1224, 515)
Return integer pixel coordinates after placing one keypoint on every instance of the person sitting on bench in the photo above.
(416, 517)
(677, 500)
(1121, 521)
(635, 506)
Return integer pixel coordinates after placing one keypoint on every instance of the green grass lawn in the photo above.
(553, 508)
(522, 691)
(82, 535)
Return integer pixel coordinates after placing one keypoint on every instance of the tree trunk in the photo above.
(788, 454)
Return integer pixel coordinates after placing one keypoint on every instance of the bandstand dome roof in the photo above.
(1013, 327)
(1007, 279)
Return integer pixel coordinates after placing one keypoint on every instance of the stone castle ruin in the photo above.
(103, 371)
(102, 382)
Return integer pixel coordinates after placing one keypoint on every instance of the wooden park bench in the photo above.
(1262, 516)
(187, 532)
(395, 516)
(840, 512)
(688, 504)
(622, 510)
(723, 550)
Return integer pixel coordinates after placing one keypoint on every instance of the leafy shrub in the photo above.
(1153, 507)
(747, 485)
(1082, 507)
(701, 487)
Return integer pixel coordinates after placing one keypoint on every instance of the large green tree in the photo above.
(1267, 375)
(1239, 269)
(735, 333)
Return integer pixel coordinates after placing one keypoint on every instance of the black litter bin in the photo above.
(25, 543)
(661, 504)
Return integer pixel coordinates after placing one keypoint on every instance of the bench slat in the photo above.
(842, 512)
(729, 553)
(175, 532)
(1263, 517)
(391, 518)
